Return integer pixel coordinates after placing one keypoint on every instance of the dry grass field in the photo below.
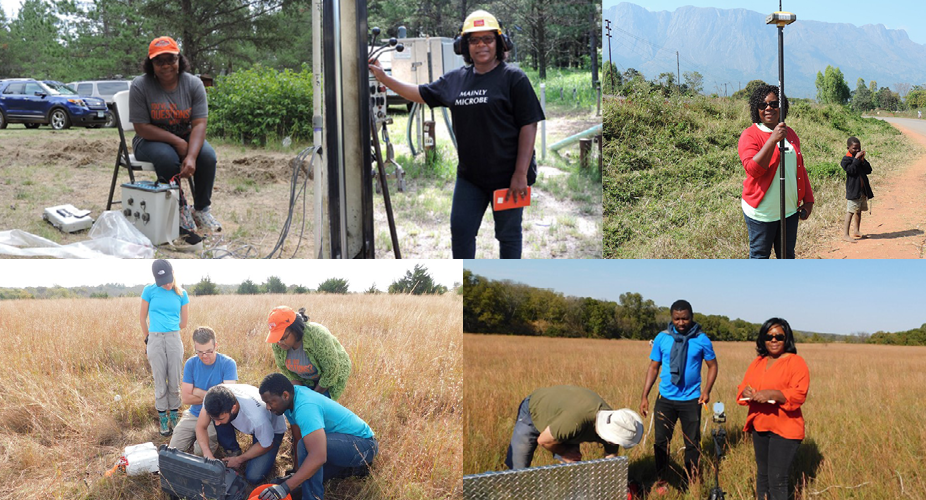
(64, 361)
(865, 412)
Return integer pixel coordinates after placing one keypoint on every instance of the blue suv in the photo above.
(36, 103)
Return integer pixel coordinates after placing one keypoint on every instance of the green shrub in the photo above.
(825, 169)
(261, 103)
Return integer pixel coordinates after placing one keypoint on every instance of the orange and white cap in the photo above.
(280, 318)
(162, 45)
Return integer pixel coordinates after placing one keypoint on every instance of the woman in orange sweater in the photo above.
(774, 387)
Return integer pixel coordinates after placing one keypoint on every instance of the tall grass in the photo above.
(66, 360)
(673, 178)
(565, 88)
(864, 414)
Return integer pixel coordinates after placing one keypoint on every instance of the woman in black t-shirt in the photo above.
(495, 113)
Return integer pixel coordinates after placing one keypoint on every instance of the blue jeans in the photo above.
(347, 456)
(764, 235)
(469, 205)
(523, 439)
(167, 164)
(258, 467)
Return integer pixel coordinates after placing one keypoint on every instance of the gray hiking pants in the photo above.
(165, 353)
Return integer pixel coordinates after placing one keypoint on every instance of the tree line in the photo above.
(506, 307)
(833, 89)
(615, 82)
(417, 281)
(78, 40)
(830, 83)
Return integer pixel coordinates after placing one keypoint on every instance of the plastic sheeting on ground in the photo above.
(112, 236)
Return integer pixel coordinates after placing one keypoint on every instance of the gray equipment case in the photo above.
(187, 476)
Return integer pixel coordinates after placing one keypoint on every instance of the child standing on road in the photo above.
(165, 304)
(858, 190)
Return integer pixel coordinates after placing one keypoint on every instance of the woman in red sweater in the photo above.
(774, 388)
(758, 150)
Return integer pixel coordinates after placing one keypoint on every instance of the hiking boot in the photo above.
(165, 423)
(174, 418)
(205, 221)
(233, 453)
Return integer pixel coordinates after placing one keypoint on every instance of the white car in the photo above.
(104, 89)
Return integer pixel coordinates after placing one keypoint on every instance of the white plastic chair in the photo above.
(124, 158)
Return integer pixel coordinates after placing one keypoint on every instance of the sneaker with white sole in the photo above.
(187, 242)
(205, 221)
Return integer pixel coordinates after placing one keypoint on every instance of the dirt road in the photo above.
(896, 222)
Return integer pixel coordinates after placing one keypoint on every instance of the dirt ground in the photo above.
(44, 168)
(894, 226)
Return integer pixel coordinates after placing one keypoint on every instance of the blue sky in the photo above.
(842, 296)
(360, 274)
(908, 15)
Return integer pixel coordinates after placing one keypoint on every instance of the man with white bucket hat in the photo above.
(569, 415)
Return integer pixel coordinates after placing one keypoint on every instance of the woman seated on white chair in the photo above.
(169, 111)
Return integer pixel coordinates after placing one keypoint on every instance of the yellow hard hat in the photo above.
(480, 20)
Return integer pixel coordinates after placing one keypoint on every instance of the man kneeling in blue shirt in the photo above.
(333, 442)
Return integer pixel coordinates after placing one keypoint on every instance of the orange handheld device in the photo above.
(499, 203)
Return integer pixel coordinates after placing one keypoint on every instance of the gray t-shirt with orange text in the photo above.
(172, 111)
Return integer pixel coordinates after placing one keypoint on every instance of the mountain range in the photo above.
(734, 46)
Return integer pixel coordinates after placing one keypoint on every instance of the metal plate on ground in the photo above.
(604, 479)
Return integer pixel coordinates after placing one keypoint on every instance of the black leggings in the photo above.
(774, 455)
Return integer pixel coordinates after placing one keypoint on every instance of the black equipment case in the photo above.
(187, 476)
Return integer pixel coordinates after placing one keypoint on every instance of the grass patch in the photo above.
(565, 88)
(672, 177)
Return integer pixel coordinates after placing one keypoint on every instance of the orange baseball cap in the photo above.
(280, 318)
(162, 45)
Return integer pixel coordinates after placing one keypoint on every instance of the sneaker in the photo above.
(174, 418)
(232, 453)
(165, 423)
(660, 488)
(187, 242)
(205, 221)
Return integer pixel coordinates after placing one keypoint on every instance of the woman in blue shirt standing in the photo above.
(164, 312)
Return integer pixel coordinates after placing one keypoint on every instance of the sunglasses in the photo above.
(773, 104)
(485, 40)
(778, 338)
(165, 60)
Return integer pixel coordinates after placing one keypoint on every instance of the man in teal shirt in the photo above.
(332, 440)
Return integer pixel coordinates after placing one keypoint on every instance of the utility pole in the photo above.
(593, 46)
(678, 72)
(611, 66)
